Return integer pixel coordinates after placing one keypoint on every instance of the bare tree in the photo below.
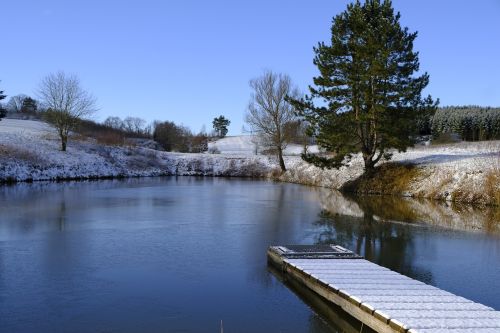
(15, 103)
(134, 125)
(269, 111)
(66, 103)
(114, 122)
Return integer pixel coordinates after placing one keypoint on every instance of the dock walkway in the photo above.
(382, 299)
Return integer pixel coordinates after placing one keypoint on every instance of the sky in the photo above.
(190, 61)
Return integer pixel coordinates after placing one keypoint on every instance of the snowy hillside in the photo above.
(29, 150)
(249, 145)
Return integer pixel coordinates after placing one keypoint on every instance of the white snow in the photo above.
(451, 171)
(29, 150)
(249, 145)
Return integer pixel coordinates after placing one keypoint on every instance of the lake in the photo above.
(182, 254)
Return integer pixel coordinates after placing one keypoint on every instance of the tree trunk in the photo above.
(64, 141)
(280, 158)
(369, 165)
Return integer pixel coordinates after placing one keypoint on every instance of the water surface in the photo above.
(181, 254)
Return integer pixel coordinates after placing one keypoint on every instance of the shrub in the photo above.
(172, 137)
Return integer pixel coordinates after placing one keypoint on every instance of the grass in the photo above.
(489, 188)
(492, 184)
(110, 139)
(389, 178)
(437, 191)
(20, 154)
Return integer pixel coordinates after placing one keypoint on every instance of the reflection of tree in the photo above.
(387, 244)
(61, 217)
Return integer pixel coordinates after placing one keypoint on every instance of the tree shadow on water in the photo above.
(387, 244)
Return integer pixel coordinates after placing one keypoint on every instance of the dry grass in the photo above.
(492, 186)
(389, 178)
(78, 137)
(466, 194)
(275, 174)
(20, 154)
(438, 191)
(49, 137)
(110, 139)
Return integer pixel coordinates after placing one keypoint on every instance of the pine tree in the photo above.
(29, 105)
(366, 98)
(220, 125)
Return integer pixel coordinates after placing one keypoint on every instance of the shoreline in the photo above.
(357, 186)
(463, 172)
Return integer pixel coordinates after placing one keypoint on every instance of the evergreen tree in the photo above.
(3, 112)
(220, 125)
(471, 123)
(29, 105)
(369, 98)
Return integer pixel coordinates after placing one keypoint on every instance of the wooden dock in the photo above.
(382, 299)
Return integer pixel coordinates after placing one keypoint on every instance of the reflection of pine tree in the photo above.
(387, 244)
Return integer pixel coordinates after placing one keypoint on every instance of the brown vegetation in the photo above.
(492, 186)
(20, 154)
(389, 178)
(438, 191)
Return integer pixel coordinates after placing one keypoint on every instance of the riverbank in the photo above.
(461, 172)
(464, 172)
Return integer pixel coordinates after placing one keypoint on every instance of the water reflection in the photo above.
(326, 312)
(454, 247)
(151, 255)
(390, 245)
(455, 216)
(182, 253)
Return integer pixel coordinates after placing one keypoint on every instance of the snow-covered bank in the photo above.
(29, 150)
(466, 172)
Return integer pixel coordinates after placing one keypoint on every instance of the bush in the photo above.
(199, 143)
(106, 134)
(172, 137)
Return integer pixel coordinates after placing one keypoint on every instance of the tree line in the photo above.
(471, 123)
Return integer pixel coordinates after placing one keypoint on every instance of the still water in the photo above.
(183, 254)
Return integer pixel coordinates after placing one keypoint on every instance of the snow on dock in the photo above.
(380, 298)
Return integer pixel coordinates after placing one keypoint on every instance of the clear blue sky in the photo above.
(189, 61)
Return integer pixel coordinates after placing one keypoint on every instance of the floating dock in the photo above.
(381, 299)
